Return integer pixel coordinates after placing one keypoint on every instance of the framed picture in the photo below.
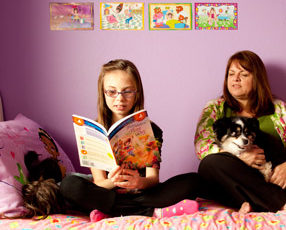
(170, 16)
(71, 16)
(122, 16)
(216, 16)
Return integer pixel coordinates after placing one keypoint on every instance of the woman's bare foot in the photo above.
(245, 208)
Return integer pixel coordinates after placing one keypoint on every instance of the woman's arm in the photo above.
(279, 119)
(254, 157)
(205, 137)
(279, 175)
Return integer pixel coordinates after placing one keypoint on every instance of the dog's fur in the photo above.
(41, 195)
(237, 134)
(45, 169)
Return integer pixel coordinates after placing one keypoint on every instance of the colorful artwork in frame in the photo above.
(216, 16)
(71, 16)
(170, 16)
(122, 16)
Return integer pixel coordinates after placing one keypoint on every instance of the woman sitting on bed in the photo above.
(246, 93)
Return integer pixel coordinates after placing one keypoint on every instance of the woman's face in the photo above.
(239, 81)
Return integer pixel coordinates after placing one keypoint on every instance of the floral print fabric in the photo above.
(214, 110)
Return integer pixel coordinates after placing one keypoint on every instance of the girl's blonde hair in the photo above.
(103, 112)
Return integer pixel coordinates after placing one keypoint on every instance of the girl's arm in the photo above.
(128, 178)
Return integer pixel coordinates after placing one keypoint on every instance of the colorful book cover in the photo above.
(130, 141)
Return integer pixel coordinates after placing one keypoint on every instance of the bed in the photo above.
(210, 216)
(21, 134)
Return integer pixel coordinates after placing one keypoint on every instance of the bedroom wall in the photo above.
(49, 75)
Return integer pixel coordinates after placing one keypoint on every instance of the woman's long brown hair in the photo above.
(261, 99)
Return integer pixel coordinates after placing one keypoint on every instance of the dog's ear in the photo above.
(49, 168)
(220, 127)
(253, 123)
(31, 160)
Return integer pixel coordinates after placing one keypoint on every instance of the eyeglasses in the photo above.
(115, 93)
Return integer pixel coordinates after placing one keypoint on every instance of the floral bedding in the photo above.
(210, 216)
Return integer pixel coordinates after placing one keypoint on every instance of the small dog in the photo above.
(237, 134)
(41, 195)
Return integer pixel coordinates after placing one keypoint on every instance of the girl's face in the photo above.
(119, 81)
(239, 81)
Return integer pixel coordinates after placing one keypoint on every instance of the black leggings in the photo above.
(232, 182)
(85, 196)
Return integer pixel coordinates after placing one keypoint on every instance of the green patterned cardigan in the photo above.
(214, 109)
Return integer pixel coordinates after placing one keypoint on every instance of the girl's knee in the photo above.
(70, 183)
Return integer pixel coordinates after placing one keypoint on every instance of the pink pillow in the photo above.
(17, 137)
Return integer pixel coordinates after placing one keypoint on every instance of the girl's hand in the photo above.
(114, 175)
(129, 179)
(279, 175)
(254, 157)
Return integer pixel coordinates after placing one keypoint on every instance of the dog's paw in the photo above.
(267, 171)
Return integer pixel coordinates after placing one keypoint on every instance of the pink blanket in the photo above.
(210, 216)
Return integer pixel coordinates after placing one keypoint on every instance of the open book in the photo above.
(129, 141)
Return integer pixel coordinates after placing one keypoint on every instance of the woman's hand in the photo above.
(279, 175)
(254, 157)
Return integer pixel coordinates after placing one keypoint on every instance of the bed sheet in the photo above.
(210, 216)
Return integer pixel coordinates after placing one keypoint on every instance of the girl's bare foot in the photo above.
(245, 208)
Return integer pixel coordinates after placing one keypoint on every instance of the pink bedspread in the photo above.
(210, 216)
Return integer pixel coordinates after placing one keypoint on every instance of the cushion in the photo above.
(17, 137)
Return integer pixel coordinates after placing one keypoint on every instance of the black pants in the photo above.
(230, 181)
(85, 196)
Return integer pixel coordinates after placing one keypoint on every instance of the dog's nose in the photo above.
(245, 142)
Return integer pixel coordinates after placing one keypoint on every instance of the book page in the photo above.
(121, 123)
(133, 142)
(93, 146)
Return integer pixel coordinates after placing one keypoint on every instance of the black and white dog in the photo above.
(237, 134)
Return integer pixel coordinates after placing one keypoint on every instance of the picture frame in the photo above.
(170, 16)
(216, 16)
(122, 16)
(71, 16)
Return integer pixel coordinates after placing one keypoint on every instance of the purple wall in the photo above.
(49, 75)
